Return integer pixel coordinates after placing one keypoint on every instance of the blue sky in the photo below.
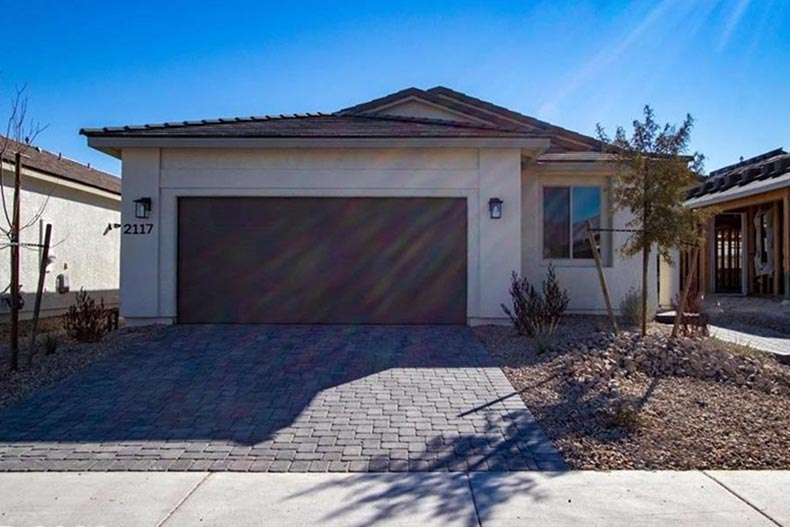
(573, 63)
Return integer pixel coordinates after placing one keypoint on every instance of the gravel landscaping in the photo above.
(606, 402)
(656, 403)
(69, 357)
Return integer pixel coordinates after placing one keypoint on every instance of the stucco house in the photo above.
(83, 206)
(411, 208)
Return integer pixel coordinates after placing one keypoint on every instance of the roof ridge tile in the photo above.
(223, 120)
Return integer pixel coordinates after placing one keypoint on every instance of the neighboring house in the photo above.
(80, 203)
(385, 212)
(748, 246)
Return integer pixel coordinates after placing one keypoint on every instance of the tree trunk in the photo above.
(645, 265)
(645, 255)
(15, 265)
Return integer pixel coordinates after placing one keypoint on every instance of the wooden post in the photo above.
(750, 250)
(601, 277)
(42, 272)
(705, 250)
(777, 249)
(786, 241)
(686, 288)
(15, 264)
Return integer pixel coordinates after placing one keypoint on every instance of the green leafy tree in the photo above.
(654, 172)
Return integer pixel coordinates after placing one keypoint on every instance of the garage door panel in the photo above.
(322, 260)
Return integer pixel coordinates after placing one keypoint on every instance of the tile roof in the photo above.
(769, 166)
(60, 167)
(562, 137)
(365, 120)
(312, 125)
(563, 140)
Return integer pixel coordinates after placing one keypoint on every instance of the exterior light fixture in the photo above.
(495, 208)
(142, 208)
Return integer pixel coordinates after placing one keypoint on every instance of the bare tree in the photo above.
(21, 131)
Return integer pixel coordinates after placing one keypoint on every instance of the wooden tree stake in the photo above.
(42, 272)
(601, 277)
(693, 263)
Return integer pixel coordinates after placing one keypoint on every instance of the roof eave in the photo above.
(752, 189)
(60, 179)
(113, 145)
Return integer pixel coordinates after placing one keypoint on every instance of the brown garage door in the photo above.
(322, 260)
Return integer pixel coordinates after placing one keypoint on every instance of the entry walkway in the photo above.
(487, 499)
(762, 339)
(777, 345)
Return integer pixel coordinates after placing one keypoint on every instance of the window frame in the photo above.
(605, 213)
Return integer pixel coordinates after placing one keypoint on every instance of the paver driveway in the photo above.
(282, 398)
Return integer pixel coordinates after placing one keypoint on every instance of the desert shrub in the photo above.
(631, 308)
(523, 297)
(536, 313)
(50, 343)
(627, 416)
(86, 320)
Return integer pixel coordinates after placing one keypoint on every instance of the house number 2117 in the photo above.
(138, 228)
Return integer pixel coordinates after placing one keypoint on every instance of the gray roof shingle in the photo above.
(312, 126)
(60, 167)
(367, 120)
(563, 140)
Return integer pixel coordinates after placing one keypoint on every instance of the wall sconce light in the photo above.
(142, 208)
(495, 208)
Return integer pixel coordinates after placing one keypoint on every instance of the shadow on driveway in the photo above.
(281, 398)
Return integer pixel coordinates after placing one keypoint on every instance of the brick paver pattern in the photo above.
(282, 399)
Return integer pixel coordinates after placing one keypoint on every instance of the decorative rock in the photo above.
(691, 412)
(628, 354)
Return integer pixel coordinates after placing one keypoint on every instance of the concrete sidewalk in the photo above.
(627, 498)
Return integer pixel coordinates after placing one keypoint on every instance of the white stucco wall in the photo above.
(579, 277)
(148, 280)
(81, 251)
(669, 280)
(139, 253)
